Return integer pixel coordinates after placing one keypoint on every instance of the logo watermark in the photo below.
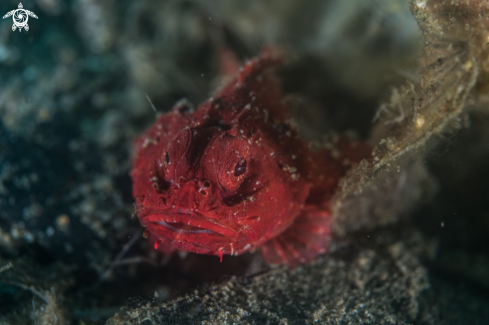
(20, 17)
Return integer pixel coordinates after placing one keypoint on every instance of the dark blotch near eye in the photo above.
(233, 200)
(167, 158)
(240, 168)
(161, 185)
(247, 189)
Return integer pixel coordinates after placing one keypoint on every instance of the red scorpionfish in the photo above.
(234, 175)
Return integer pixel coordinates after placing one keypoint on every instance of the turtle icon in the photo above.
(20, 17)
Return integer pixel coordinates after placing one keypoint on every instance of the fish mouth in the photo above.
(183, 228)
(178, 223)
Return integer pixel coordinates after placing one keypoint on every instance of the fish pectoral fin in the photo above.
(307, 237)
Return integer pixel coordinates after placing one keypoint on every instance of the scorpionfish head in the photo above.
(214, 190)
(227, 177)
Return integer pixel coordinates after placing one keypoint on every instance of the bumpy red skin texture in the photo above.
(186, 191)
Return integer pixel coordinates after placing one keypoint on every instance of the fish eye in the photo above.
(240, 168)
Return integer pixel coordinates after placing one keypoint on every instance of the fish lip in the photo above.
(189, 217)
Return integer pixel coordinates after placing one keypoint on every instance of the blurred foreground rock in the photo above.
(377, 280)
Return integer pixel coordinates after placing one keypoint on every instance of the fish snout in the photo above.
(193, 194)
